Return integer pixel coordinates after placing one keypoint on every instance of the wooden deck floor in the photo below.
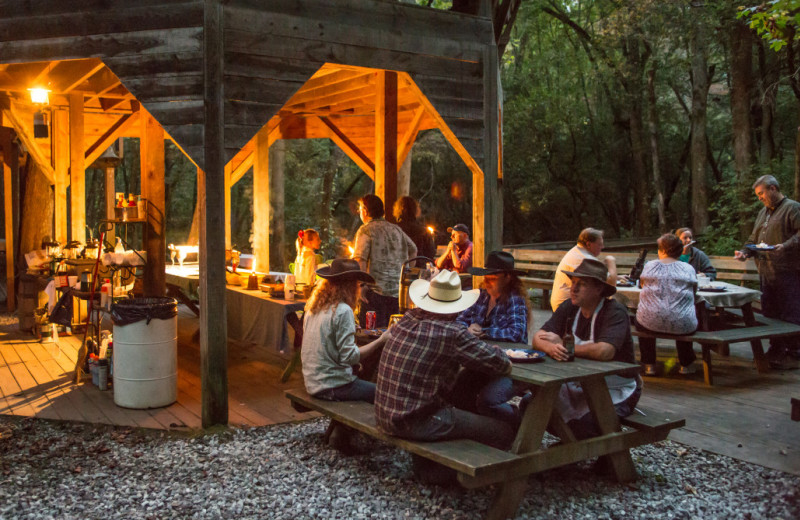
(745, 415)
(36, 381)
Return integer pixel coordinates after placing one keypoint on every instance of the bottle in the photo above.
(106, 289)
(569, 344)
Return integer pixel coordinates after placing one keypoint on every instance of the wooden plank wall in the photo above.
(272, 48)
(153, 46)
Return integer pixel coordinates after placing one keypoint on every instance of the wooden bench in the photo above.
(720, 340)
(479, 465)
(541, 266)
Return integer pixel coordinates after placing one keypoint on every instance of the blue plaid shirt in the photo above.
(508, 321)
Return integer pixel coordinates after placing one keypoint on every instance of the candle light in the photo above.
(252, 282)
(430, 230)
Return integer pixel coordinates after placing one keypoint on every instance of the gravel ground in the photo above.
(69, 470)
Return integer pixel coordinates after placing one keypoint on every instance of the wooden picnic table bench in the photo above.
(541, 266)
(480, 465)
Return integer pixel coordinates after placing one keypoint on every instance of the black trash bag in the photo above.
(62, 311)
(125, 312)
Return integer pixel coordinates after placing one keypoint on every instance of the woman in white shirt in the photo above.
(666, 303)
(305, 265)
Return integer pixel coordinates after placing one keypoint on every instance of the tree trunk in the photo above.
(653, 124)
(325, 215)
(741, 85)
(768, 87)
(700, 218)
(277, 226)
(37, 208)
(635, 92)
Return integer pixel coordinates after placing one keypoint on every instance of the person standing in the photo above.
(380, 249)
(305, 265)
(590, 244)
(778, 226)
(406, 212)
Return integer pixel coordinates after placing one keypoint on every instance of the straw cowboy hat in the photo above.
(595, 269)
(344, 269)
(443, 294)
(498, 262)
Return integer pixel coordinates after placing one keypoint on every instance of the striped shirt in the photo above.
(508, 320)
(419, 364)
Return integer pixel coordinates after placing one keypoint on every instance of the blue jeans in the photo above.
(357, 390)
(452, 423)
(780, 299)
(486, 395)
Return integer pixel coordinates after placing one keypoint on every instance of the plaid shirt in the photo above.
(419, 364)
(508, 321)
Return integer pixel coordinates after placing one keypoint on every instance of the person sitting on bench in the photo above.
(602, 332)
(329, 350)
(418, 368)
(666, 303)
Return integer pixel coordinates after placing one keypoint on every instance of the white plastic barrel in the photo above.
(146, 363)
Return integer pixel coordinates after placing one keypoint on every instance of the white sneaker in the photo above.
(649, 370)
(689, 369)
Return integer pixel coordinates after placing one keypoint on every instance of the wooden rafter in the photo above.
(25, 134)
(238, 172)
(68, 75)
(330, 93)
(117, 129)
(407, 141)
(349, 147)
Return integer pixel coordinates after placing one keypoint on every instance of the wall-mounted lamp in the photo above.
(40, 127)
(39, 96)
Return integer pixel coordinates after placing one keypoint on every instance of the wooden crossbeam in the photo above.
(407, 141)
(68, 75)
(119, 127)
(25, 134)
(331, 93)
(242, 168)
(349, 147)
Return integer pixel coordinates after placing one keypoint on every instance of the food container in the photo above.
(125, 213)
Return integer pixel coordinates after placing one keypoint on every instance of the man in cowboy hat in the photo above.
(602, 332)
(419, 363)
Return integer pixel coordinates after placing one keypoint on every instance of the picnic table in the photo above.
(480, 465)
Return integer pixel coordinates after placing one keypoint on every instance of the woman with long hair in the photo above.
(406, 212)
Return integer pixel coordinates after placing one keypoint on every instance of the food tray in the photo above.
(525, 355)
(752, 247)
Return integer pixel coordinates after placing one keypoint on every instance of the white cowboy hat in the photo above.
(443, 294)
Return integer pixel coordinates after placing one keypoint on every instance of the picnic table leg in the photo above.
(599, 400)
(762, 364)
(529, 438)
(707, 364)
(297, 325)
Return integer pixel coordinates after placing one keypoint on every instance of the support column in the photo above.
(261, 209)
(151, 149)
(110, 190)
(228, 186)
(386, 139)
(60, 159)
(211, 198)
(77, 169)
(8, 151)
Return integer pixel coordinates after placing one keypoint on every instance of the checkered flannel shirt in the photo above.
(419, 364)
(508, 321)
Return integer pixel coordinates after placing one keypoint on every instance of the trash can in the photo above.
(145, 352)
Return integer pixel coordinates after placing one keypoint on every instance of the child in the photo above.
(305, 264)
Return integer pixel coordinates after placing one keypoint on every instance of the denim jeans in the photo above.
(780, 299)
(357, 390)
(452, 423)
(486, 395)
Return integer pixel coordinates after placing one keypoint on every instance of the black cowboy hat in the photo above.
(591, 268)
(498, 262)
(343, 269)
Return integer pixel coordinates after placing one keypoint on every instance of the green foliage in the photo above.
(776, 21)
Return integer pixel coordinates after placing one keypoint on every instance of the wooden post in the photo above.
(228, 186)
(8, 151)
(386, 139)
(277, 226)
(60, 159)
(261, 209)
(77, 169)
(151, 151)
(110, 190)
(211, 197)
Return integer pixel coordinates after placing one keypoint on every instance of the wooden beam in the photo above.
(241, 169)
(120, 126)
(211, 196)
(8, 151)
(228, 185)
(59, 154)
(151, 149)
(261, 209)
(68, 75)
(25, 134)
(410, 136)
(349, 147)
(77, 169)
(386, 139)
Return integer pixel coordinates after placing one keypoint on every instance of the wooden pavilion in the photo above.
(224, 79)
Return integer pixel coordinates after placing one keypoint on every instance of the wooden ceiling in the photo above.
(338, 102)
